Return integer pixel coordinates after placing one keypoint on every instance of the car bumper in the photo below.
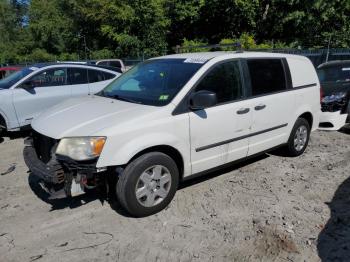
(332, 121)
(51, 172)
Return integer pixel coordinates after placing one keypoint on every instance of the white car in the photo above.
(172, 118)
(28, 92)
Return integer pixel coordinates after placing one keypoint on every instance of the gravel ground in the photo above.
(270, 208)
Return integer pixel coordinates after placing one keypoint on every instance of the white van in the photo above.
(174, 117)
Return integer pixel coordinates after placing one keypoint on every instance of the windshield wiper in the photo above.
(121, 98)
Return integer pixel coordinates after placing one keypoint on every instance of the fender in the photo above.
(112, 156)
(302, 110)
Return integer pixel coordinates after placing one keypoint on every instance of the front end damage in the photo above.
(60, 176)
(335, 112)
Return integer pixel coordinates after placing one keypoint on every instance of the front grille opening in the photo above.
(43, 146)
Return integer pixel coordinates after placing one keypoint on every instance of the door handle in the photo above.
(259, 107)
(243, 111)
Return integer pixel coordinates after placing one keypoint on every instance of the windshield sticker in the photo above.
(346, 69)
(196, 60)
(162, 74)
(163, 97)
(33, 68)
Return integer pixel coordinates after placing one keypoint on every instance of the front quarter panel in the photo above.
(124, 143)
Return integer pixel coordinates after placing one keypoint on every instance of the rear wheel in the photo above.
(148, 184)
(299, 138)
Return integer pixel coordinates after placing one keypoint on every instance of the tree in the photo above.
(51, 29)
(184, 20)
(227, 18)
(306, 23)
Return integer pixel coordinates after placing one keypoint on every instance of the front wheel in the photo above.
(148, 184)
(299, 138)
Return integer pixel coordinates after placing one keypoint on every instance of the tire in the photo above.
(291, 149)
(148, 175)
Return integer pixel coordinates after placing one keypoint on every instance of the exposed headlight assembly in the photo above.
(334, 97)
(81, 148)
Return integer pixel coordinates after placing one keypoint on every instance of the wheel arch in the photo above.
(308, 117)
(169, 151)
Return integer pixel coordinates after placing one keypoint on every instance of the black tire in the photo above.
(290, 149)
(127, 183)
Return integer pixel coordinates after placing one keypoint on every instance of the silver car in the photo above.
(26, 93)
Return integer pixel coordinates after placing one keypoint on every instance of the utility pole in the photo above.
(329, 44)
(85, 47)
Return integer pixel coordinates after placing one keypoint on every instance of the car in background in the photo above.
(334, 77)
(116, 63)
(28, 92)
(8, 70)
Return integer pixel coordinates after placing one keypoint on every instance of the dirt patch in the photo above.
(271, 208)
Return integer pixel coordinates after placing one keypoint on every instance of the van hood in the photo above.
(87, 116)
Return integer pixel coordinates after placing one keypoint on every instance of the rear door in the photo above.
(272, 106)
(98, 80)
(49, 88)
(219, 133)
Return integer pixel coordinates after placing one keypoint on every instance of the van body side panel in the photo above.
(307, 88)
(272, 125)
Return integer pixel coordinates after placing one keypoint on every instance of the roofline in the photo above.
(41, 66)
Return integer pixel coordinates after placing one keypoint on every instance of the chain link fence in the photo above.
(317, 56)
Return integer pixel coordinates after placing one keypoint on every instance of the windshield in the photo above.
(154, 82)
(334, 74)
(7, 82)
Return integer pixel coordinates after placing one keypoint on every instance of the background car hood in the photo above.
(86, 116)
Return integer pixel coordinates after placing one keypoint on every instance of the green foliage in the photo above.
(102, 54)
(193, 46)
(50, 27)
(40, 55)
(245, 41)
(46, 30)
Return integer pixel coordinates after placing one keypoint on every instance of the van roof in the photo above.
(210, 55)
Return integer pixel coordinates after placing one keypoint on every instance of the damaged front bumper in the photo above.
(61, 177)
(332, 121)
(335, 112)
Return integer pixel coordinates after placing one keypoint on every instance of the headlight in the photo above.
(334, 97)
(81, 148)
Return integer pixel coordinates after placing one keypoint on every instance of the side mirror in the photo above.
(27, 85)
(202, 99)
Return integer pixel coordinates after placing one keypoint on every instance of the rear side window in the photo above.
(267, 76)
(78, 76)
(103, 63)
(96, 76)
(51, 77)
(225, 81)
(108, 75)
(115, 64)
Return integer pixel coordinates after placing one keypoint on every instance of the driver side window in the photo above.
(224, 80)
(51, 77)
